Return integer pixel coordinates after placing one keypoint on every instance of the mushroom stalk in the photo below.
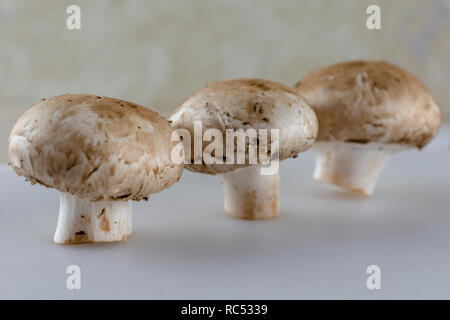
(250, 195)
(82, 220)
(351, 165)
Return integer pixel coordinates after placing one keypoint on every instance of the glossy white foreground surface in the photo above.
(185, 246)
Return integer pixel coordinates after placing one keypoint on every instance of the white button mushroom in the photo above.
(100, 153)
(244, 104)
(367, 110)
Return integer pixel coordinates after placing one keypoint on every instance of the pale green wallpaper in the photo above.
(156, 53)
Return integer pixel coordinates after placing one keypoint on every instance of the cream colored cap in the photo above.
(94, 147)
(371, 101)
(249, 103)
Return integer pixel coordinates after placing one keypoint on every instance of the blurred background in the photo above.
(158, 52)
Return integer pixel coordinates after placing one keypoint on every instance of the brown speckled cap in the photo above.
(371, 101)
(94, 147)
(249, 103)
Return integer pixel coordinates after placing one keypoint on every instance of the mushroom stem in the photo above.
(81, 220)
(353, 166)
(250, 195)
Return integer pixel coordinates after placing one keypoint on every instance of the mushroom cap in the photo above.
(249, 103)
(371, 101)
(94, 147)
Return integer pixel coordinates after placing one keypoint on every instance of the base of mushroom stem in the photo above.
(353, 166)
(250, 195)
(82, 221)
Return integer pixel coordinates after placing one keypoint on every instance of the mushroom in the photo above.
(99, 153)
(239, 106)
(367, 110)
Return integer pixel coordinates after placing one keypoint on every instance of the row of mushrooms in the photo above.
(102, 153)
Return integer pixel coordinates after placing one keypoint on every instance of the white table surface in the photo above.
(184, 245)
